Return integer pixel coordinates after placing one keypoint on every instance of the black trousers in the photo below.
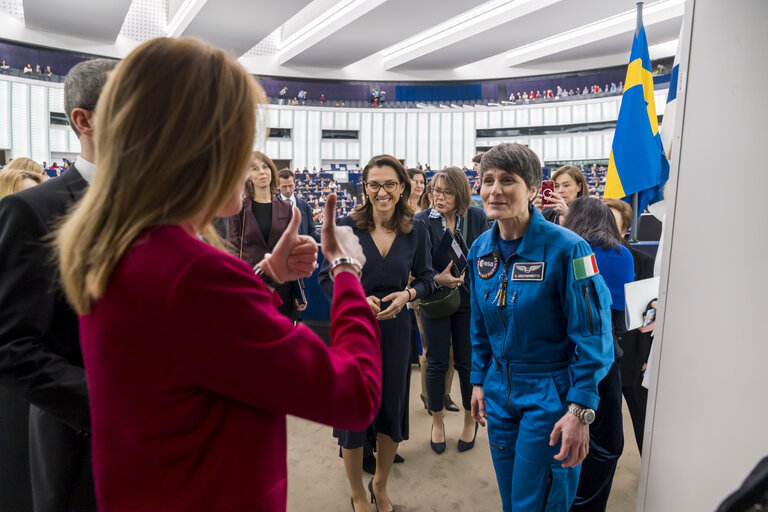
(15, 489)
(60, 459)
(440, 333)
(606, 443)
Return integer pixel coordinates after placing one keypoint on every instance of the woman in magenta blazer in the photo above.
(190, 367)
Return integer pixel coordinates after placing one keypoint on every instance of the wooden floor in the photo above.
(451, 482)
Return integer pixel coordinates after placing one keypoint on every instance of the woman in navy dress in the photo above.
(395, 246)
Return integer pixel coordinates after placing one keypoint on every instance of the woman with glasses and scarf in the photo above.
(395, 246)
(450, 213)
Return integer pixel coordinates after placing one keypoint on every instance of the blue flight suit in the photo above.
(541, 338)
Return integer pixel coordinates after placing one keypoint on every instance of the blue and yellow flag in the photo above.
(637, 163)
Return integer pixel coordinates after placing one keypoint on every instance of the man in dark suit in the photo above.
(287, 186)
(40, 357)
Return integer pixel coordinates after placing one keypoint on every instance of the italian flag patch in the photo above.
(585, 267)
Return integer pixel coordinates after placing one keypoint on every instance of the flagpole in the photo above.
(635, 213)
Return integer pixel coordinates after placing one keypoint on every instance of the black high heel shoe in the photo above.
(426, 404)
(438, 448)
(373, 497)
(464, 446)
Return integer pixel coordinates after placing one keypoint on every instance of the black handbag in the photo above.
(445, 301)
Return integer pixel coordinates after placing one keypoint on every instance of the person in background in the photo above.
(570, 183)
(15, 180)
(48, 71)
(635, 344)
(451, 212)
(40, 354)
(593, 221)
(287, 187)
(263, 218)
(38, 70)
(27, 164)
(396, 247)
(191, 367)
(421, 200)
(4, 65)
(282, 94)
(537, 301)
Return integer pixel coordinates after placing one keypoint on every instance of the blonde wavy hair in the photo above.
(26, 164)
(12, 180)
(175, 128)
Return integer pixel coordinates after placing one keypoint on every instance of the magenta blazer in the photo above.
(192, 370)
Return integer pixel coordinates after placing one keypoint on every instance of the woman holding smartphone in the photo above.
(396, 246)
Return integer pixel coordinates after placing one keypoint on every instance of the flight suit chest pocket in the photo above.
(594, 303)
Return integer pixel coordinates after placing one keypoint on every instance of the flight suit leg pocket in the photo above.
(561, 489)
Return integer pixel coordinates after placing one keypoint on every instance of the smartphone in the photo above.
(650, 317)
(547, 187)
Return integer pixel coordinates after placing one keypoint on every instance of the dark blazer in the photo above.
(477, 224)
(40, 358)
(254, 247)
(307, 226)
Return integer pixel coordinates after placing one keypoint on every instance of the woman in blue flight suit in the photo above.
(541, 337)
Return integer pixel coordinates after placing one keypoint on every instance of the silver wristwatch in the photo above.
(586, 415)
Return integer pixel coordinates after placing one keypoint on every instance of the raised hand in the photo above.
(339, 241)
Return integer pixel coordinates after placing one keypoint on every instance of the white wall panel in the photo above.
(535, 117)
(550, 148)
(470, 136)
(340, 120)
(607, 143)
(550, 116)
(365, 138)
(422, 150)
(299, 136)
(481, 120)
(537, 146)
(595, 146)
(39, 122)
(56, 100)
(285, 151)
(508, 118)
(457, 140)
(326, 151)
(446, 141)
(594, 112)
(340, 150)
(377, 135)
(411, 139)
(20, 120)
(58, 140)
(353, 152)
(564, 114)
(610, 111)
(273, 118)
(286, 119)
(564, 147)
(328, 117)
(400, 135)
(579, 147)
(434, 141)
(314, 134)
(5, 114)
(389, 135)
(353, 121)
(522, 117)
(579, 113)
(272, 147)
(494, 119)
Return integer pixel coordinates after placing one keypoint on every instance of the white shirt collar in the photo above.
(291, 199)
(86, 169)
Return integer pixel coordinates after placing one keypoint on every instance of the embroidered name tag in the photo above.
(532, 271)
(487, 266)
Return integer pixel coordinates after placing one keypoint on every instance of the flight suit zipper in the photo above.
(589, 309)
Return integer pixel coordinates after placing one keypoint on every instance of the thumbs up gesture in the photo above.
(294, 256)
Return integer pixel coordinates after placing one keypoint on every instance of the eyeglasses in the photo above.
(374, 187)
(446, 193)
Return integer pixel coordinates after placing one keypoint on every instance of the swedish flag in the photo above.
(637, 163)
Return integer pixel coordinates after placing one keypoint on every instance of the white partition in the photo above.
(707, 415)
(438, 136)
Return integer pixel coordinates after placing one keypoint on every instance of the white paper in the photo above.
(637, 296)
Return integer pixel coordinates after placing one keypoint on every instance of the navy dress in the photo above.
(410, 253)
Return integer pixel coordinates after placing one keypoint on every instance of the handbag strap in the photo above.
(242, 234)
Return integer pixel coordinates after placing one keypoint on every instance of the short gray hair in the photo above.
(515, 159)
(83, 85)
